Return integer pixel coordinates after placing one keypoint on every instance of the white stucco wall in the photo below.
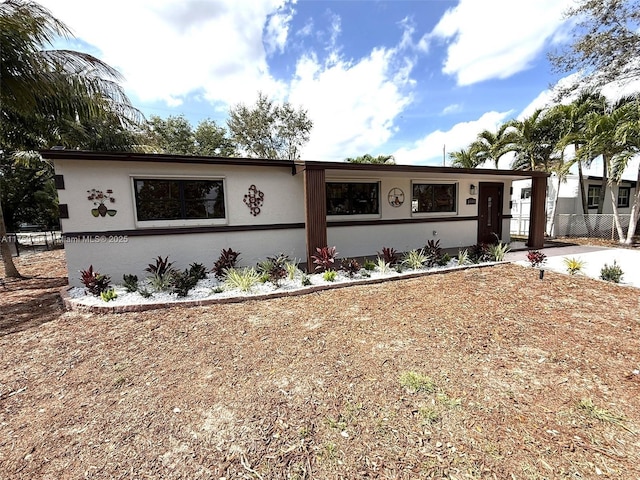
(115, 255)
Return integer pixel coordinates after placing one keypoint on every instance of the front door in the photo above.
(490, 212)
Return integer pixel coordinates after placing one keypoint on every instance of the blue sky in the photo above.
(381, 77)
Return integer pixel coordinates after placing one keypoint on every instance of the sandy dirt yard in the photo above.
(486, 373)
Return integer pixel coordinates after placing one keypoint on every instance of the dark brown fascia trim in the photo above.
(144, 232)
(161, 158)
(370, 167)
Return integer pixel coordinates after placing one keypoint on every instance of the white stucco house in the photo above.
(569, 219)
(119, 211)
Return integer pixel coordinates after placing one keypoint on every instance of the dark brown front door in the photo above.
(490, 212)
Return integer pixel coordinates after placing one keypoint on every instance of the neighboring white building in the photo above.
(569, 219)
(119, 211)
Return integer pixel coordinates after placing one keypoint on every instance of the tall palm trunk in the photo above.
(635, 213)
(616, 215)
(583, 195)
(10, 269)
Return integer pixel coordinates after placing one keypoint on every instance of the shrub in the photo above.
(389, 255)
(444, 260)
(108, 295)
(144, 292)
(226, 261)
(611, 273)
(433, 252)
(274, 269)
(94, 282)
(463, 257)
(574, 265)
(350, 265)
(325, 258)
(480, 253)
(499, 250)
(130, 282)
(197, 271)
(414, 259)
(182, 282)
(383, 267)
(306, 281)
(161, 273)
(241, 279)
(292, 269)
(536, 258)
(369, 265)
(330, 275)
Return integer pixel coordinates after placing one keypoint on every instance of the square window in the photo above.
(433, 197)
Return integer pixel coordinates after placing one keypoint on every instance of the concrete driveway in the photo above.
(594, 257)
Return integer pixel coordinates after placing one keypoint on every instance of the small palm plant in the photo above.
(574, 265)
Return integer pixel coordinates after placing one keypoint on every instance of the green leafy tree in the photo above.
(367, 158)
(268, 130)
(51, 97)
(606, 41)
(175, 135)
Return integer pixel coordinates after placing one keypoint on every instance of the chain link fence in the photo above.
(577, 225)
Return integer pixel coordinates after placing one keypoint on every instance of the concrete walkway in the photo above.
(594, 257)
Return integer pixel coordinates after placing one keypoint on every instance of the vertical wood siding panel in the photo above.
(315, 212)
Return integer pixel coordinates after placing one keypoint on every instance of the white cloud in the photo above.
(429, 150)
(167, 50)
(453, 108)
(497, 38)
(277, 31)
(352, 104)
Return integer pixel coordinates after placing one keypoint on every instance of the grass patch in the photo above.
(416, 382)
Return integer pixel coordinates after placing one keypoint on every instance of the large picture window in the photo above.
(160, 199)
(433, 197)
(352, 198)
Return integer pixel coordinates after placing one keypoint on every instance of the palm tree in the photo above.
(47, 94)
(490, 147)
(607, 134)
(465, 158)
(572, 119)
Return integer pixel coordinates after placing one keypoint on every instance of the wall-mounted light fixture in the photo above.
(472, 189)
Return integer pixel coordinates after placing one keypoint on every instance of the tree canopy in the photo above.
(606, 41)
(269, 130)
(50, 97)
(367, 158)
(175, 135)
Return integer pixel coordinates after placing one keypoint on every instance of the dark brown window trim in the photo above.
(187, 230)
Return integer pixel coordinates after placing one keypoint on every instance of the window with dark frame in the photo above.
(525, 193)
(593, 196)
(168, 199)
(433, 197)
(352, 198)
(624, 193)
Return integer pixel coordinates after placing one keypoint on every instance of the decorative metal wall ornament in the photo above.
(98, 197)
(254, 200)
(395, 197)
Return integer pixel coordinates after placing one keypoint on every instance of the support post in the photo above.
(315, 211)
(537, 215)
